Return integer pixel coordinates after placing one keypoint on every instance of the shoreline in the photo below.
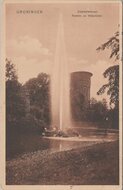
(82, 139)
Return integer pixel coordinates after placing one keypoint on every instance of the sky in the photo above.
(31, 38)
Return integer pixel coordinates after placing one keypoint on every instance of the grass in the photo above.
(92, 165)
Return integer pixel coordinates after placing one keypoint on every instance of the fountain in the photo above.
(67, 90)
(60, 84)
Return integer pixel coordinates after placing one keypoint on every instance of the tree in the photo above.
(112, 87)
(11, 74)
(112, 73)
(39, 95)
(113, 45)
(97, 110)
(15, 108)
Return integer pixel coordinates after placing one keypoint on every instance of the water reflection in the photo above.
(30, 143)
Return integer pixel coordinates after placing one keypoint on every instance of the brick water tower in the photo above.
(80, 93)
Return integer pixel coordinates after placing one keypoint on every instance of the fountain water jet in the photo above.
(60, 83)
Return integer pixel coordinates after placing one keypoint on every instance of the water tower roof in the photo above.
(82, 72)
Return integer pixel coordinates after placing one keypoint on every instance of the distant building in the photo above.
(80, 93)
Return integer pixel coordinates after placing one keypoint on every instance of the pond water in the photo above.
(21, 144)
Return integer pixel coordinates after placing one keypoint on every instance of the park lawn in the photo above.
(94, 165)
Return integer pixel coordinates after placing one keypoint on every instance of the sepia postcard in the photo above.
(61, 95)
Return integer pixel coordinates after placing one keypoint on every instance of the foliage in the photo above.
(113, 116)
(113, 45)
(38, 89)
(21, 121)
(97, 111)
(112, 73)
(14, 101)
(15, 108)
(11, 74)
(34, 94)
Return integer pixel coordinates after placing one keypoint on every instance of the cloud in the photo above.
(29, 68)
(76, 64)
(28, 47)
(29, 56)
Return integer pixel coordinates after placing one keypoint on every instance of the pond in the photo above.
(19, 144)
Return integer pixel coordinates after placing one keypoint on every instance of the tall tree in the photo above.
(15, 108)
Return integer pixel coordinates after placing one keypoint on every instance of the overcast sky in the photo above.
(31, 38)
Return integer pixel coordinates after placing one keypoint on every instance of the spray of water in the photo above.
(60, 83)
